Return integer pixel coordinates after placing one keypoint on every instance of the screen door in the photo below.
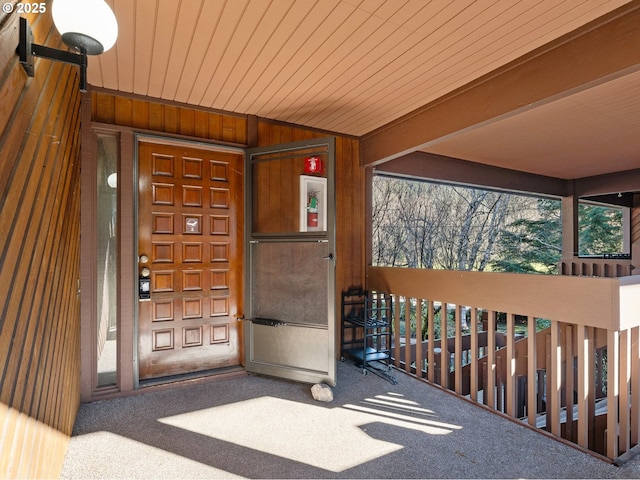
(290, 267)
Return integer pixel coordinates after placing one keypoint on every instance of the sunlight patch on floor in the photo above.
(124, 458)
(329, 438)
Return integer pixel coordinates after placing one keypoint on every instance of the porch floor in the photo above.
(259, 427)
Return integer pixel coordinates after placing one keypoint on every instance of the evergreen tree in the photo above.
(600, 230)
(533, 242)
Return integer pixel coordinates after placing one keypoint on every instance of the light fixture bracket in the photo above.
(26, 50)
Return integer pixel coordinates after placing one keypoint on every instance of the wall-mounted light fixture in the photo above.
(88, 26)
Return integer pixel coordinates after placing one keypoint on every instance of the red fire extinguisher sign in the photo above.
(313, 165)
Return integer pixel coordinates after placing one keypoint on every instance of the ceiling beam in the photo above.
(610, 183)
(602, 50)
(438, 168)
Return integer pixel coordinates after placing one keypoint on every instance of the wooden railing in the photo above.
(571, 323)
(596, 267)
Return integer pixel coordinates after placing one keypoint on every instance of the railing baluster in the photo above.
(585, 366)
(407, 334)
(431, 360)
(489, 393)
(569, 383)
(635, 386)
(473, 381)
(444, 347)
(591, 394)
(555, 374)
(396, 333)
(419, 359)
(624, 440)
(532, 354)
(613, 392)
(458, 349)
(510, 387)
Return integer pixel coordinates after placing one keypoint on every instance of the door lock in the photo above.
(144, 284)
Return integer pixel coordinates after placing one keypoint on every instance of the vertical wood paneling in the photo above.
(143, 114)
(39, 256)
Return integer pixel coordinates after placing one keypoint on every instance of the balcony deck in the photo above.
(259, 427)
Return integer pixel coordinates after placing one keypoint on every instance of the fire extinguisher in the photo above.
(312, 211)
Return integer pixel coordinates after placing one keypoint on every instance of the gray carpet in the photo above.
(259, 427)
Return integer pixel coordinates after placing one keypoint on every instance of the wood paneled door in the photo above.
(190, 238)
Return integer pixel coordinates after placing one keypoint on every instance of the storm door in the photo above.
(190, 258)
(290, 268)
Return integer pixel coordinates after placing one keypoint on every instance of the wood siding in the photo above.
(39, 256)
(173, 119)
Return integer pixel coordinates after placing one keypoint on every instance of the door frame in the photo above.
(175, 142)
(296, 374)
(127, 254)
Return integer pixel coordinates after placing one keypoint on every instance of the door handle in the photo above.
(268, 322)
(329, 257)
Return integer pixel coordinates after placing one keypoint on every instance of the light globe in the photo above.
(88, 25)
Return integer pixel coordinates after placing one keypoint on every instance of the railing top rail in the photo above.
(610, 303)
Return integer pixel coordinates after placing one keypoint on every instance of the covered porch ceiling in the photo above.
(547, 87)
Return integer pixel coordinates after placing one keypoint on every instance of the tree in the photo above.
(533, 242)
(599, 229)
(426, 225)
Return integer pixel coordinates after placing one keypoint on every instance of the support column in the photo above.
(569, 211)
(635, 235)
(569, 227)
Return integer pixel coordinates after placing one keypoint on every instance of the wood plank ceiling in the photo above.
(353, 66)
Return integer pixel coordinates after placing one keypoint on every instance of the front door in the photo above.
(190, 254)
(290, 274)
